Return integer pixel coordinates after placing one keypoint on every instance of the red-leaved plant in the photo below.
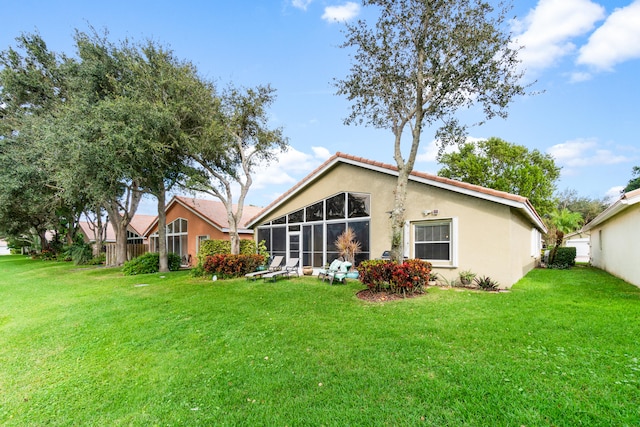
(229, 266)
(382, 275)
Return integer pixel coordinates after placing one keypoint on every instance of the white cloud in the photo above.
(617, 40)
(290, 167)
(342, 13)
(579, 76)
(321, 153)
(613, 193)
(583, 152)
(571, 150)
(301, 4)
(546, 32)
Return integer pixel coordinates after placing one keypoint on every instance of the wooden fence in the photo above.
(133, 250)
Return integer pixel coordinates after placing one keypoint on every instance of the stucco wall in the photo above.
(615, 245)
(493, 240)
(196, 227)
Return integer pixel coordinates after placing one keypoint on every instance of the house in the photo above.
(191, 221)
(580, 241)
(454, 225)
(4, 247)
(135, 231)
(615, 238)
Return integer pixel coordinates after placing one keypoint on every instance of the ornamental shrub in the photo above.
(565, 257)
(384, 275)
(376, 274)
(486, 283)
(81, 253)
(411, 276)
(149, 263)
(219, 246)
(229, 266)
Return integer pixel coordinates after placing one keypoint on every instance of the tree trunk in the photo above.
(559, 238)
(120, 229)
(120, 222)
(233, 219)
(397, 216)
(99, 231)
(44, 244)
(234, 236)
(162, 232)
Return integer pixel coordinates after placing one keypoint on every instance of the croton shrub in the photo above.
(384, 275)
(227, 266)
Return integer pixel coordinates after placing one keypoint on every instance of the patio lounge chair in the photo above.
(290, 268)
(341, 274)
(274, 266)
(333, 267)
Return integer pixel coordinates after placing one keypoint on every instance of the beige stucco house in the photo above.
(454, 225)
(615, 238)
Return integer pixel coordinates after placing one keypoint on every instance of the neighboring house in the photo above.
(135, 230)
(4, 247)
(454, 225)
(580, 241)
(191, 221)
(615, 238)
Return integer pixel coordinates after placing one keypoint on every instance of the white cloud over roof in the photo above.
(341, 13)
(616, 41)
(547, 32)
(289, 167)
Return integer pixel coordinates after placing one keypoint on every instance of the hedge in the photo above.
(565, 257)
(218, 247)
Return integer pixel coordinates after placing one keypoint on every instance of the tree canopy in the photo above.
(418, 65)
(32, 87)
(501, 165)
(634, 183)
(97, 131)
(587, 207)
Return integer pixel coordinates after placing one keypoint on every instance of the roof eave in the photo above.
(621, 204)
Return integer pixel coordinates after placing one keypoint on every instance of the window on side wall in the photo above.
(433, 241)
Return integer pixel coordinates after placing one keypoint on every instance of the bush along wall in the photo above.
(219, 247)
(227, 266)
(565, 258)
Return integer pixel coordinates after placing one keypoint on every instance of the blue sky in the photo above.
(584, 55)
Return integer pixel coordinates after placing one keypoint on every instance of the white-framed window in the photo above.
(435, 241)
(536, 242)
(177, 238)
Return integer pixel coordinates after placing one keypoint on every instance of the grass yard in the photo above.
(92, 347)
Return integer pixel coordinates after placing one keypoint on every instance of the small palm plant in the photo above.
(348, 246)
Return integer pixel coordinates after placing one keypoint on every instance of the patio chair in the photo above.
(333, 267)
(274, 266)
(341, 274)
(290, 268)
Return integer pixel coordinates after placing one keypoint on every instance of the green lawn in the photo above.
(92, 347)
